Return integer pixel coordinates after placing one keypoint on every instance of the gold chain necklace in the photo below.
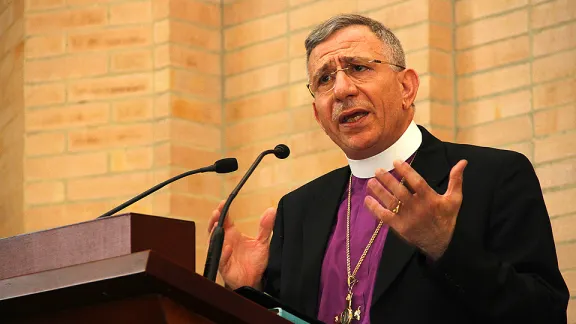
(348, 314)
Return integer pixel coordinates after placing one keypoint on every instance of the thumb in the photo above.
(456, 178)
(266, 225)
(225, 256)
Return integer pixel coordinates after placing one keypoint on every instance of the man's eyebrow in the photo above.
(322, 69)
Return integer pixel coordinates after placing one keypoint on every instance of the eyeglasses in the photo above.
(358, 69)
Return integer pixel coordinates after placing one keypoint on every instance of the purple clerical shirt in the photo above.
(333, 280)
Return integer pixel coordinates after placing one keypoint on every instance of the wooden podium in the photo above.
(130, 268)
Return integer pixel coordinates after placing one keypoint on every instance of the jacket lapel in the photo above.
(431, 163)
(317, 226)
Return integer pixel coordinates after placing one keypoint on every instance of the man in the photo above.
(413, 230)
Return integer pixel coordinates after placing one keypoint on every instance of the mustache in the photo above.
(343, 105)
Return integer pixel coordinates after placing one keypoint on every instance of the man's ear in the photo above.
(410, 83)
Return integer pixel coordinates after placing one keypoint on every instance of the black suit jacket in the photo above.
(500, 266)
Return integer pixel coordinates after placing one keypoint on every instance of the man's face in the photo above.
(363, 115)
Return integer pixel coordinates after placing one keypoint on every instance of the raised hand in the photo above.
(244, 258)
(423, 218)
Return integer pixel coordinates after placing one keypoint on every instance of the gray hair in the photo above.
(326, 29)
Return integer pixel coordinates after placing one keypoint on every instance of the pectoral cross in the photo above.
(348, 314)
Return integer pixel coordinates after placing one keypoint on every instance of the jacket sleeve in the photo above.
(513, 277)
(271, 277)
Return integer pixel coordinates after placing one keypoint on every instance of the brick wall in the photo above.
(11, 116)
(121, 94)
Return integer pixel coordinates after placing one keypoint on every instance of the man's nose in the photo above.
(343, 85)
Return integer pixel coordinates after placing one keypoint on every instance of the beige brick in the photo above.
(116, 38)
(299, 95)
(32, 5)
(294, 3)
(109, 137)
(131, 61)
(44, 192)
(256, 105)
(6, 17)
(68, 117)
(163, 80)
(493, 55)
(420, 61)
(130, 12)
(316, 12)
(441, 114)
(512, 24)
(187, 34)
(130, 159)
(309, 142)
(442, 88)
(192, 59)
(108, 186)
(45, 94)
(248, 152)
(556, 202)
(440, 11)
(554, 67)
(45, 144)
(255, 31)
(86, 2)
(554, 94)
(395, 16)
(110, 87)
(256, 56)
(190, 207)
(257, 80)
(553, 12)
(13, 37)
(308, 167)
(207, 14)
(241, 11)
(571, 311)
(364, 5)
(570, 279)
(62, 214)
(67, 67)
(44, 46)
(497, 133)
(258, 129)
(557, 174)
(66, 166)
(196, 110)
(564, 228)
(205, 86)
(65, 20)
(137, 109)
(467, 10)
(296, 43)
(441, 63)
(487, 83)
(566, 257)
(162, 31)
(554, 39)
(555, 120)
(555, 147)
(207, 184)
(272, 175)
(441, 37)
(184, 156)
(194, 134)
(415, 37)
(298, 70)
(494, 108)
(422, 113)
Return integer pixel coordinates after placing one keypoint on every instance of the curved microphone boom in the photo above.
(221, 166)
(281, 151)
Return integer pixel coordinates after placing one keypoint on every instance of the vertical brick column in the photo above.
(11, 116)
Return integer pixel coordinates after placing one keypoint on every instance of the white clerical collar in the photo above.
(404, 147)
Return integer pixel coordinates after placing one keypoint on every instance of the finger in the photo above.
(456, 178)
(215, 215)
(392, 185)
(266, 225)
(377, 191)
(413, 179)
(379, 211)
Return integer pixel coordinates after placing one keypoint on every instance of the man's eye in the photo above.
(359, 68)
(324, 79)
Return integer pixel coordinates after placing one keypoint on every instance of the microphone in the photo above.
(281, 151)
(221, 166)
